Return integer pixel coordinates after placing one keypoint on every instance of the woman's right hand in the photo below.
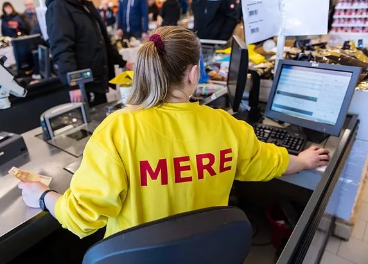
(314, 157)
(310, 158)
(119, 32)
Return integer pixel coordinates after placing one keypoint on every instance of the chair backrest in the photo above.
(219, 235)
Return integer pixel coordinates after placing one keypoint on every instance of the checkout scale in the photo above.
(69, 126)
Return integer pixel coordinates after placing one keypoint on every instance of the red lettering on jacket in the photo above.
(178, 168)
(224, 159)
(145, 169)
(201, 167)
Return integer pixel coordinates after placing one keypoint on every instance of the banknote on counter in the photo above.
(28, 176)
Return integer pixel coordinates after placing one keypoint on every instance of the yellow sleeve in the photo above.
(258, 161)
(96, 192)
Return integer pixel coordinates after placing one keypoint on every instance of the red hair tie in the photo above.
(156, 38)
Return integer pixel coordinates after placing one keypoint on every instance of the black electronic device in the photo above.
(238, 72)
(11, 146)
(44, 62)
(23, 47)
(237, 80)
(293, 141)
(313, 96)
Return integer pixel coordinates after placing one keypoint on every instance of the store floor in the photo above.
(354, 251)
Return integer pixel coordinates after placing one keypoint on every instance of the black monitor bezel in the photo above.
(16, 42)
(241, 79)
(333, 130)
(45, 72)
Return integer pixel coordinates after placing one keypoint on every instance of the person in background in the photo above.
(12, 24)
(107, 14)
(215, 19)
(170, 13)
(161, 155)
(79, 40)
(133, 19)
(184, 6)
(153, 10)
(29, 16)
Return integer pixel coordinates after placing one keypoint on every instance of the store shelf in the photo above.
(349, 25)
(352, 16)
(350, 7)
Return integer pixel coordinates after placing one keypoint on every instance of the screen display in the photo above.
(311, 93)
(67, 121)
(234, 71)
(75, 76)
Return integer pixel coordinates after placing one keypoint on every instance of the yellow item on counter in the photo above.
(224, 51)
(254, 56)
(124, 77)
(140, 166)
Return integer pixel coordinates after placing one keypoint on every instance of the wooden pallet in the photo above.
(343, 228)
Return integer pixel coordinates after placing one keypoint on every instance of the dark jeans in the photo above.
(61, 247)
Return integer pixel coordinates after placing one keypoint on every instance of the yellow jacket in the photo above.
(149, 164)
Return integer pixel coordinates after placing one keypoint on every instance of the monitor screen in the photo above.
(315, 96)
(238, 71)
(23, 47)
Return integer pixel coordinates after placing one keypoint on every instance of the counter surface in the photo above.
(44, 159)
(41, 159)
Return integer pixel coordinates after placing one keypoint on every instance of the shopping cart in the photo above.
(209, 47)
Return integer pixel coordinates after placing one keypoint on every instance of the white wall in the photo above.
(18, 5)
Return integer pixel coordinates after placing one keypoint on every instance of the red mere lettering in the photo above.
(146, 169)
(178, 168)
(204, 162)
(201, 167)
(224, 159)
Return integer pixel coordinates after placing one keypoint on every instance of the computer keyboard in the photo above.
(293, 141)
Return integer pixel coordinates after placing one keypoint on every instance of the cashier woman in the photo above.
(163, 155)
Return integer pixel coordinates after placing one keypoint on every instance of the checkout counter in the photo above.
(22, 227)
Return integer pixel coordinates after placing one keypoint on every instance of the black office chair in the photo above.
(219, 235)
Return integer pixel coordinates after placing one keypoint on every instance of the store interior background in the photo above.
(353, 251)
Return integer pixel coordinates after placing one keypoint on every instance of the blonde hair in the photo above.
(158, 69)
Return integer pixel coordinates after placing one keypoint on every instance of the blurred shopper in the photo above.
(170, 13)
(133, 19)
(153, 10)
(30, 16)
(79, 40)
(107, 14)
(12, 24)
(184, 6)
(215, 19)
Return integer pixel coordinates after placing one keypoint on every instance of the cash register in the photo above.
(312, 98)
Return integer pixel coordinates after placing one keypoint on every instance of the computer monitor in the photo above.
(311, 95)
(44, 61)
(238, 71)
(23, 47)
